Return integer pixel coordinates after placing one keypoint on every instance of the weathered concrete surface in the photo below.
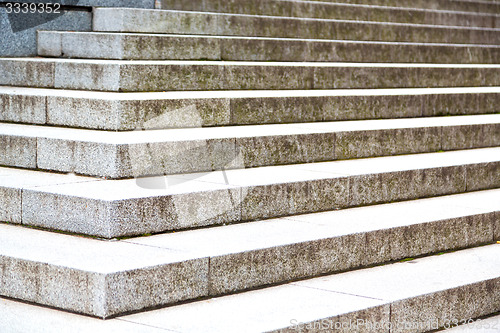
(198, 23)
(177, 47)
(137, 111)
(141, 272)
(133, 207)
(413, 290)
(345, 11)
(455, 5)
(122, 75)
(173, 151)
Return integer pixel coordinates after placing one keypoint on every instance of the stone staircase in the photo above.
(255, 166)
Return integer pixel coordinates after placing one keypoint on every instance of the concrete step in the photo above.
(147, 76)
(172, 151)
(413, 296)
(139, 273)
(220, 24)
(485, 6)
(189, 47)
(136, 111)
(116, 208)
(484, 325)
(340, 11)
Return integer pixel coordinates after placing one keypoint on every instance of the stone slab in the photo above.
(147, 205)
(18, 31)
(418, 280)
(137, 111)
(106, 278)
(428, 291)
(343, 11)
(172, 151)
(95, 277)
(13, 181)
(199, 23)
(121, 75)
(176, 47)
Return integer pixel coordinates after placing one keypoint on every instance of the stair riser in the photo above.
(235, 5)
(99, 294)
(233, 76)
(195, 23)
(136, 47)
(108, 294)
(334, 11)
(123, 114)
(226, 204)
(171, 157)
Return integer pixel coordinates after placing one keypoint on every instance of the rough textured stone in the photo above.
(184, 75)
(17, 107)
(483, 176)
(18, 32)
(255, 268)
(175, 47)
(332, 10)
(139, 20)
(18, 151)
(386, 142)
(129, 277)
(426, 291)
(87, 76)
(466, 137)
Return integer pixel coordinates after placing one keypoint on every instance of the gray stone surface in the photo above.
(460, 5)
(146, 271)
(130, 111)
(172, 151)
(102, 75)
(427, 291)
(342, 11)
(133, 207)
(18, 31)
(128, 277)
(328, 7)
(178, 22)
(18, 107)
(483, 176)
(415, 283)
(175, 47)
(18, 151)
(13, 181)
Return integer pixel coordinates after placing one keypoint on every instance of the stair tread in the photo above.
(103, 256)
(89, 258)
(244, 131)
(311, 300)
(112, 208)
(127, 188)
